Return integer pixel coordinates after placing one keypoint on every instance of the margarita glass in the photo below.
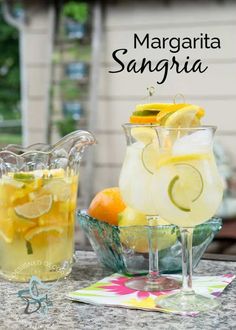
(136, 180)
(187, 191)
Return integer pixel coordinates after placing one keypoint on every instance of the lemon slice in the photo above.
(7, 230)
(170, 109)
(143, 134)
(60, 189)
(150, 157)
(185, 117)
(152, 106)
(46, 173)
(36, 208)
(39, 230)
(181, 158)
(185, 187)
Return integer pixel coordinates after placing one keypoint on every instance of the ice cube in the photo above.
(197, 142)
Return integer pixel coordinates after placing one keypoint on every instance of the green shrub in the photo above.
(66, 125)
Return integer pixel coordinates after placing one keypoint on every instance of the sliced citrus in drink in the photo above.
(42, 230)
(143, 134)
(58, 215)
(150, 157)
(185, 187)
(60, 189)
(36, 208)
(167, 160)
(185, 117)
(57, 173)
(52, 173)
(8, 180)
(24, 176)
(7, 229)
(21, 224)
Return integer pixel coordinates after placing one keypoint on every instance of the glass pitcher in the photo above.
(38, 193)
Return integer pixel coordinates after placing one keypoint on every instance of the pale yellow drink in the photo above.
(187, 188)
(37, 215)
(180, 180)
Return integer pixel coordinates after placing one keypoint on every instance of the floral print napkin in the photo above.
(112, 291)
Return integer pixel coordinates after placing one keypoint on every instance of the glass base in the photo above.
(161, 283)
(40, 270)
(187, 303)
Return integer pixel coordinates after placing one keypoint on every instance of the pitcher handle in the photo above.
(78, 139)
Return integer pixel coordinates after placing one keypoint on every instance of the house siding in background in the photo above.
(215, 90)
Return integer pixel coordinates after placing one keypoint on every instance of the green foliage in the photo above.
(76, 11)
(70, 90)
(9, 71)
(66, 125)
(10, 139)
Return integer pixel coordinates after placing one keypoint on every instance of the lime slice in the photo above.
(23, 176)
(39, 230)
(145, 113)
(143, 134)
(186, 187)
(150, 157)
(36, 208)
(185, 117)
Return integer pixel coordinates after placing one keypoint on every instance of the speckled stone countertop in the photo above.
(65, 314)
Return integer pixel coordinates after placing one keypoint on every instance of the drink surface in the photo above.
(37, 214)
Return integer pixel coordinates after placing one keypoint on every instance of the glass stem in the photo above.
(153, 251)
(187, 240)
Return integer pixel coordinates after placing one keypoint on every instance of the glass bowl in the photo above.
(125, 249)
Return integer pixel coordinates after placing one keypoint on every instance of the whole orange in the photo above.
(106, 205)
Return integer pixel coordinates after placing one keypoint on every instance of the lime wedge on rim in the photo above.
(36, 208)
(150, 157)
(185, 187)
